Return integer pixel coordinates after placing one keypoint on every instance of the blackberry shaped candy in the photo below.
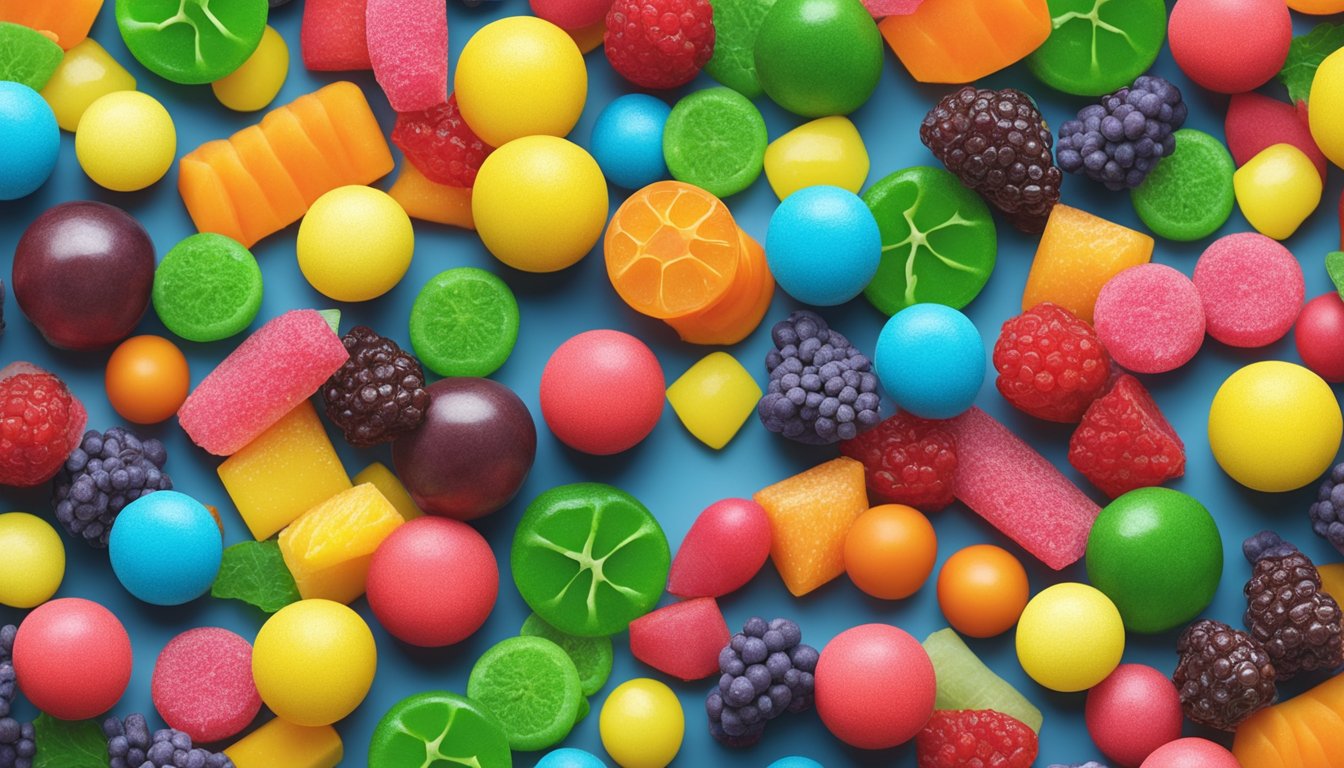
(766, 671)
(1224, 675)
(1327, 514)
(1120, 140)
(379, 393)
(1298, 623)
(130, 745)
(821, 390)
(107, 471)
(17, 743)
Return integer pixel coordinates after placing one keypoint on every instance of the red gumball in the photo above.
(875, 686)
(1133, 712)
(1320, 336)
(602, 392)
(1191, 753)
(1230, 46)
(72, 658)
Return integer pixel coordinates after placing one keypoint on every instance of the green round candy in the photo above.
(938, 240)
(531, 687)
(589, 559)
(736, 24)
(464, 322)
(819, 57)
(1189, 195)
(1099, 46)
(207, 288)
(30, 57)
(438, 728)
(592, 656)
(716, 140)
(192, 41)
(1157, 555)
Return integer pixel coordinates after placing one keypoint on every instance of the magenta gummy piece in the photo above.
(408, 45)
(333, 37)
(571, 14)
(883, 8)
(1150, 318)
(1251, 287)
(202, 684)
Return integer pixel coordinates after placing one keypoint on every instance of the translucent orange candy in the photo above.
(959, 41)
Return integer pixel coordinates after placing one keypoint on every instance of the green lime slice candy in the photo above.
(192, 41)
(589, 559)
(439, 729)
(207, 288)
(715, 139)
(592, 656)
(532, 688)
(464, 322)
(736, 23)
(1188, 195)
(27, 56)
(939, 243)
(1099, 46)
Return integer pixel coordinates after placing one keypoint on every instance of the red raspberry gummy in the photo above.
(978, 738)
(440, 144)
(659, 43)
(40, 424)
(1124, 442)
(907, 460)
(1050, 363)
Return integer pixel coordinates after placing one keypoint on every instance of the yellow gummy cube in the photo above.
(713, 398)
(810, 515)
(828, 151)
(328, 550)
(86, 73)
(1077, 255)
(289, 469)
(391, 488)
(282, 743)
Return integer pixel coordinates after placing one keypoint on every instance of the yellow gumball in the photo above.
(642, 724)
(255, 84)
(313, 662)
(540, 203)
(355, 243)
(34, 560)
(1326, 116)
(1070, 637)
(1277, 190)
(520, 76)
(125, 141)
(1274, 426)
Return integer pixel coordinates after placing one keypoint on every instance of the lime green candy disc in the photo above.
(589, 559)
(1099, 46)
(592, 656)
(192, 41)
(27, 56)
(736, 23)
(530, 685)
(207, 288)
(938, 240)
(464, 323)
(715, 139)
(438, 728)
(1188, 195)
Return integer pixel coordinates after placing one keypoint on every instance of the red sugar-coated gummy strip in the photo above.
(408, 46)
(203, 685)
(334, 36)
(1255, 122)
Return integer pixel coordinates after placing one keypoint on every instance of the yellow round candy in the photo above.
(827, 151)
(520, 76)
(1277, 190)
(125, 141)
(34, 560)
(540, 203)
(355, 243)
(1070, 637)
(1274, 426)
(313, 662)
(642, 724)
(255, 84)
(1326, 116)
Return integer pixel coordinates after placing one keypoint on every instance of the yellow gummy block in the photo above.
(329, 548)
(825, 151)
(810, 515)
(713, 398)
(285, 472)
(282, 743)
(1277, 190)
(391, 488)
(1077, 255)
(86, 73)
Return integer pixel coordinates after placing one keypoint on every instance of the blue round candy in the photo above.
(30, 139)
(570, 758)
(627, 140)
(795, 761)
(931, 360)
(165, 548)
(823, 245)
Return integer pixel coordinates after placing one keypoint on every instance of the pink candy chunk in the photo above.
(333, 36)
(1251, 288)
(1150, 318)
(682, 639)
(203, 685)
(408, 46)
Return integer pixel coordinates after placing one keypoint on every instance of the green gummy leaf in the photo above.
(1305, 55)
(68, 743)
(255, 572)
(333, 318)
(27, 56)
(1334, 265)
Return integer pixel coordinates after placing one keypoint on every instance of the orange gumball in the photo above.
(147, 379)
(982, 590)
(890, 551)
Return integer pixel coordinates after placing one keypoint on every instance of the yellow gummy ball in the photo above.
(34, 560)
(714, 397)
(826, 151)
(1277, 190)
(125, 141)
(1274, 426)
(355, 243)
(313, 662)
(1326, 116)
(642, 724)
(540, 203)
(255, 84)
(520, 76)
(1070, 637)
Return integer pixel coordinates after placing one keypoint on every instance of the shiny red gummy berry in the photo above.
(659, 43)
(975, 739)
(907, 460)
(1050, 363)
(40, 424)
(1124, 442)
(440, 144)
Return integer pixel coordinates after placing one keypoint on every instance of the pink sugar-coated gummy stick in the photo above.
(334, 37)
(408, 46)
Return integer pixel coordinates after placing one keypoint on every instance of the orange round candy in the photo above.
(982, 590)
(147, 379)
(890, 551)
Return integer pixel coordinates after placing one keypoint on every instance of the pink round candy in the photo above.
(1251, 288)
(602, 392)
(1230, 46)
(875, 686)
(1191, 753)
(1320, 336)
(1150, 318)
(72, 658)
(203, 685)
(571, 14)
(1131, 713)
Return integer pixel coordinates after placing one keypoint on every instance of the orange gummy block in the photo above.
(1077, 255)
(1304, 732)
(68, 20)
(430, 201)
(810, 515)
(264, 178)
(958, 41)
(734, 316)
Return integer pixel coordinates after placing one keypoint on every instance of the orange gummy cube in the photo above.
(1077, 255)
(958, 41)
(430, 201)
(329, 548)
(810, 515)
(68, 20)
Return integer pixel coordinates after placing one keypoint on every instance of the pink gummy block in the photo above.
(1251, 287)
(408, 45)
(682, 639)
(1150, 318)
(333, 37)
(1255, 122)
(203, 685)
(881, 9)
(275, 369)
(571, 14)
(1016, 490)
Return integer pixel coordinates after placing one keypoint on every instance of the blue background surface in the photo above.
(671, 472)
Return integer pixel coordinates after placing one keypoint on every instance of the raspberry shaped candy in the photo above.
(379, 393)
(1050, 363)
(440, 144)
(975, 737)
(1327, 514)
(131, 745)
(1224, 675)
(105, 473)
(1124, 442)
(659, 43)
(907, 460)
(1289, 613)
(1119, 140)
(40, 424)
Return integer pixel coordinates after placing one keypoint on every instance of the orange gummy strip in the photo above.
(430, 201)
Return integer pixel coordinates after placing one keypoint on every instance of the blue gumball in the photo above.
(795, 761)
(931, 360)
(627, 140)
(823, 245)
(165, 548)
(570, 758)
(29, 138)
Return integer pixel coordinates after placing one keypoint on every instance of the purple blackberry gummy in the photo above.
(1118, 141)
(379, 393)
(18, 743)
(130, 745)
(1299, 624)
(1327, 514)
(1265, 544)
(8, 680)
(1223, 675)
(752, 692)
(107, 471)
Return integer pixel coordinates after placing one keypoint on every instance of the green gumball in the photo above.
(819, 57)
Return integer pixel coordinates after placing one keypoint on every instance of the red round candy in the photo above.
(72, 658)
(571, 14)
(1320, 336)
(202, 684)
(433, 582)
(1230, 46)
(1133, 712)
(602, 392)
(1191, 753)
(875, 686)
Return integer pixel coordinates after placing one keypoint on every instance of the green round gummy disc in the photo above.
(464, 322)
(438, 728)
(1099, 46)
(1189, 195)
(736, 23)
(938, 240)
(592, 656)
(530, 685)
(715, 139)
(819, 57)
(207, 288)
(192, 41)
(588, 559)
